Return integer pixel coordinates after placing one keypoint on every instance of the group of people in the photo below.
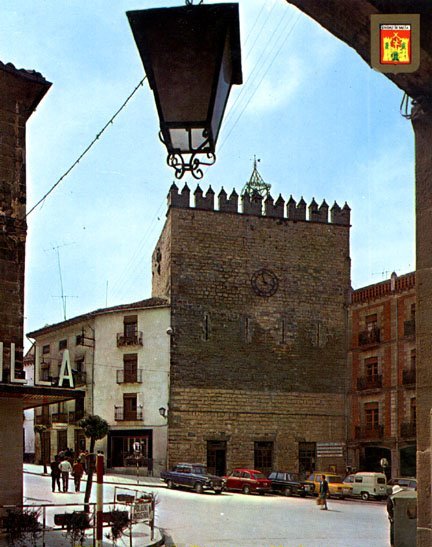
(64, 465)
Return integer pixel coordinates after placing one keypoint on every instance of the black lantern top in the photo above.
(191, 55)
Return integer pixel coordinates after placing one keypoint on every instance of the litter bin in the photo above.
(405, 518)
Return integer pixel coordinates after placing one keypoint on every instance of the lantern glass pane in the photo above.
(180, 139)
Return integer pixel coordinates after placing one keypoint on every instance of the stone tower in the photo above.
(258, 350)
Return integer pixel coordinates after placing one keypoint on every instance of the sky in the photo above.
(322, 122)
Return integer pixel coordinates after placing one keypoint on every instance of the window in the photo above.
(62, 344)
(247, 330)
(371, 369)
(130, 326)
(130, 406)
(206, 327)
(413, 359)
(130, 367)
(413, 311)
(263, 456)
(371, 322)
(413, 411)
(79, 340)
(306, 455)
(45, 349)
(372, 416)
(79, 364)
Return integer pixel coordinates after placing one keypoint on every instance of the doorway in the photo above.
(216, 457)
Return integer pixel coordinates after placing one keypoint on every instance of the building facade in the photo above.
(119, 356)
(259, 304)
(20, 92)
(382, 364)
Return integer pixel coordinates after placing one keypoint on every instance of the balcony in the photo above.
(369, 337)
(122, 415)
(369, 382)
(80, 379)
(134, 339)
(19, 375)
(129, 377)
(409, 377)
(42, 419)
(408, 429)
(75, 416)
(366, 433)
(409, 327)
(59, 417)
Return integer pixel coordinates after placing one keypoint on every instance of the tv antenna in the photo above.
(63, 297)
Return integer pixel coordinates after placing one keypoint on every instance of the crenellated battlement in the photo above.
(256, 204)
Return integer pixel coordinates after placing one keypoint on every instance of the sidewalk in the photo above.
(109, 478)
(37, 491)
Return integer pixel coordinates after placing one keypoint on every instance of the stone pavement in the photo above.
(37, 490)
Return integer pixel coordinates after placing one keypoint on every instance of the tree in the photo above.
(95, 428)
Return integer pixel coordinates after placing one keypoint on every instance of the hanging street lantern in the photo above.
(191, 55)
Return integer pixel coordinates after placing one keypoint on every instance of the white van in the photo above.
(369, 485)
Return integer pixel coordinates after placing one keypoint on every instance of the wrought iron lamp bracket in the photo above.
(183, 162)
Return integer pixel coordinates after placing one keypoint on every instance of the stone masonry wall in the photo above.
(242, 417)
(258, 306)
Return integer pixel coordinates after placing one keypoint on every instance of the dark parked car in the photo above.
(192, 475)
(286, 483)
(248, 481)
(408, 483)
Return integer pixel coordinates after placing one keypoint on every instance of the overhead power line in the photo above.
(88, 147)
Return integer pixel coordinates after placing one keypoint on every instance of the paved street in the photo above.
(236, 520)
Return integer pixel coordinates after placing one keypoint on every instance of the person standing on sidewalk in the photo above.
(65, 468)
(55, 474)
(77, 472)
(324, 489)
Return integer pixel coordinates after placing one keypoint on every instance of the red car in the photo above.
(247, 481)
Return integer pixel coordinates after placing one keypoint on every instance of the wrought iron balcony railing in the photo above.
(369, 382)
(59, 417)
(122, 415)
(408, 429)
(408, 376)
(42, 419)
(369, 337)
(135, 339)
(409, 327)
(75, 416)
(363, 432)
(129, 377)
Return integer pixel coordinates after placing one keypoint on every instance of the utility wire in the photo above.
(259, 83)
(88, 147)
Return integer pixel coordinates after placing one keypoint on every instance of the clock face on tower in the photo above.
(264, 282)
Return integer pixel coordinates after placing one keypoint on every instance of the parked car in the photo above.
(286, 483)
(367, 484)
(408, 483)
(194, 476)
(337, 488)
(248, 481)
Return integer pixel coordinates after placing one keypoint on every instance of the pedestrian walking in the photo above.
(77, 472)
(65, 469)
(323, 493)
(82, 458)
(55, 474)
